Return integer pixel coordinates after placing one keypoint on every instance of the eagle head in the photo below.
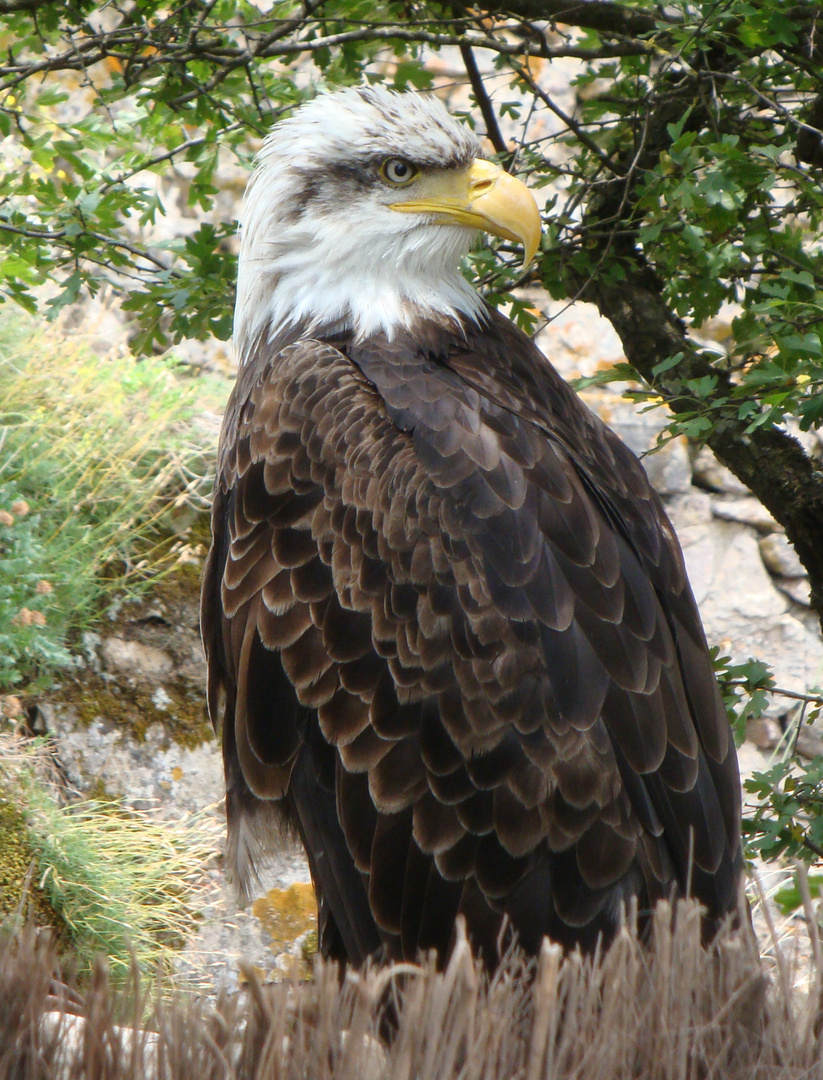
(358, 213)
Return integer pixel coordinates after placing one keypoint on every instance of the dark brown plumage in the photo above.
(459, 650)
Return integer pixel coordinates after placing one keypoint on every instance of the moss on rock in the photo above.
(162, 624)
(289, 916)
(184, 717)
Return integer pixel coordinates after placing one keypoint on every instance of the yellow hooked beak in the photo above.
(481, 197)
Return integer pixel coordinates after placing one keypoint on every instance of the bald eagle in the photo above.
(449, 618)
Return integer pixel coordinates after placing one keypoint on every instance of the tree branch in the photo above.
(9, 7)
(227, 58)
(484, 104)
(569, 121)
(608, 18)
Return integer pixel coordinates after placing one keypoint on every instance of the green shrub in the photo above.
(96, 461)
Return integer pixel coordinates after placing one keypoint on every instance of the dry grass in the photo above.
(668, 1010)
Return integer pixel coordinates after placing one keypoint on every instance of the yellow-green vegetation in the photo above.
(101, 484)
(121, 883)
(21, 898)
(308, 947)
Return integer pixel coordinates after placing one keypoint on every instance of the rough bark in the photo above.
(608, 18)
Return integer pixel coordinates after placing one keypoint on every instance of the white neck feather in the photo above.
(346, 273)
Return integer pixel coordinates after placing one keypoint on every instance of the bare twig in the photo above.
(567, 120)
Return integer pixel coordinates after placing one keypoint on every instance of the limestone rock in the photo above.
(751, 760)
(691, 516)
(152, 770)
(780, 557)
(709, 473)
(798, 589)
(577, 339)
(748, 511)
(135, 660)
(742, 610)
(764, 732)
(810, 740)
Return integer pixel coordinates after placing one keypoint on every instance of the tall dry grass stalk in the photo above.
(665, 1010)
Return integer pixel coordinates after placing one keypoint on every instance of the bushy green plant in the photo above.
(784, 802)
(94, 455)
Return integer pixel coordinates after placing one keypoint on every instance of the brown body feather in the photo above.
(459, 650)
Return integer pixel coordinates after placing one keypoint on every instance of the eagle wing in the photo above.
(459, 654)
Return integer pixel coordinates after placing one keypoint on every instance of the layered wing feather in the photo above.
(459, 649)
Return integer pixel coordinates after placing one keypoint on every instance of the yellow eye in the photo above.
(398, 171)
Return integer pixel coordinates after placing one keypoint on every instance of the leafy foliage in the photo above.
(784, 803)
(745, 687)
(788, 816)
(694, 142)
(723, 204)
(97, 107)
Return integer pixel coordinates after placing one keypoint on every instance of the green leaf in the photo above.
(667, 364)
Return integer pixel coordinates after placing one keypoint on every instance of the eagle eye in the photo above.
(398, 171)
